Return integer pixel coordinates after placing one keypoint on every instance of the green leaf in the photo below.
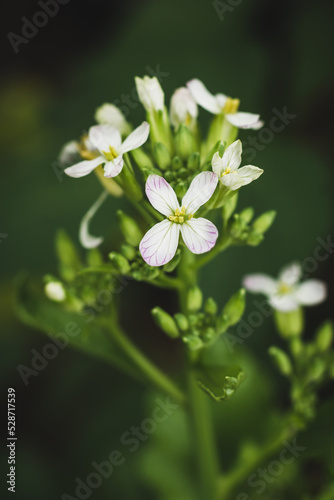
(79, 330)
(220, 382)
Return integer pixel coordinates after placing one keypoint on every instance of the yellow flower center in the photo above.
(283, 289)
(231, 105)
(180, 216)
(111, 154)
(226, 171)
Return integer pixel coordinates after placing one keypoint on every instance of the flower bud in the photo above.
(130, 185)
(194, 299)
(247, 214)
(142, 159)
(194, 161)
(281, 359)
(210, 306)
(55, 291)
(120, 262)
(193, 342)
(181, 321)
(254, 239)
(177, 163)
(181, 189)
(128, 251)
(324, 337)
(162, 155)
(183, 108)
(263, 222)
(150, 93)
(235, 307)
(184, 142)
(129, 228)
(69, 259)
(230, 205)
(289, 324)
(165, 322)
(112, 115)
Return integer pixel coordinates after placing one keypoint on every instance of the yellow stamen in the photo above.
(111, 154)
(231, 105)
(283, 289)
(180, 216)
(226, 171)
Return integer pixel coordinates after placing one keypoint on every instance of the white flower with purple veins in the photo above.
(107, 141)
(160, 243)
(220, 103)
(287, 293)
(183, 108)
(228, 171)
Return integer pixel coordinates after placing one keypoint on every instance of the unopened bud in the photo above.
(210, 306)
(55, 291)
(129, 228)
(162, 155)
(235, 307)
(177, 163)
(281, 359)
(324, 337)
(247, 214)
(128, 251)
(184, 142)
(120, 262)
(181, 321)
(194, 161)
(194, 299)
(165, 322)
(289, 324)
(264, 221)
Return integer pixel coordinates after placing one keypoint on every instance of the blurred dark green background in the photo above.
(271, 55)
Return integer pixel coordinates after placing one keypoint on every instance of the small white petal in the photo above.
(69, 153)
(200, 235)
(284, 303)
(159, 244)
(105, 136)
(311, 292)
(232, 156)
(291, 274)
(260, 283)
(54, 290)
(114, 167)
(135, 139)
(217, 164)
(200, 191)
(161, 195)
(221, 100)
(203, 97)
(243, 120)
(84, 167)
(241, 177)
(150, 93)
(112, 115)
(86, 239)
(182, 106)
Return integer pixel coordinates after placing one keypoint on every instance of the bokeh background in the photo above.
(271, 55)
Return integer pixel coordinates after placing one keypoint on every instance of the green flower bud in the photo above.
(129, 228)
(182, 321)
(142, 159)
(194, 162)
(324, 336)
(281, 359)
(94, 257)
(184, 142)
(120, 262)
(128, 251)
(297, 347)
(254, 239)
(161, 155)
(68, 255)
(181, 189)
(289, 324)
(235, 307)
(177, 163)
(210, 306)
(247, 214)
(130, 185)
(263, 222)
(223, 323)
(209, 334)
(169, 176)
(194, 299)
(317, 369)
(237, 226)
(230, 205)
(193, 342)
(165, 322)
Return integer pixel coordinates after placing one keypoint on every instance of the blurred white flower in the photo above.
(183, 108)
(150, 93)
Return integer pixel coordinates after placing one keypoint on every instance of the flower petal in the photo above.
(284, 303)
(203, 97)
(200, 235)
(159, 244)
(135, 139)
(260, 283)
(161, 195)
(84, 167)
(112, 115)
(311, 292)
(243, 120)
(150, 93)
(105, 136)
(232, 156)
(69, 153)
(291, 274)
(217, 164)
(200, 191)
(86, 239)
(241, 177)
(113, 168)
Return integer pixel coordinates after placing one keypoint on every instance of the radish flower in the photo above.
(228, 171)
(107, 142)
(287, 293)
(183, 108)
(222, 104)
(160, 243)
(150, 93)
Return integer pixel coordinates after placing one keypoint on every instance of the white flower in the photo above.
(221, 103)
(108, 142)
(150, 93)
(160, 243)
(287, 293)
(228, 171)
(54, 290)
(183, 108)
(111, 115)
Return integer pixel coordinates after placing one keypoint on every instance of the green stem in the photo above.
(152, 373)
(220, 246)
